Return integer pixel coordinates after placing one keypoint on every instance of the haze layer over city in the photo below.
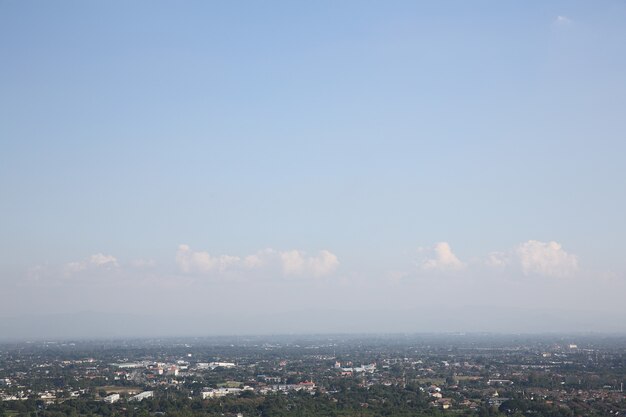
(246, 168)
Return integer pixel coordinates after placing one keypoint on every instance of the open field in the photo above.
(229, 384)
(434, 380)
(468, 378)
(119, 390)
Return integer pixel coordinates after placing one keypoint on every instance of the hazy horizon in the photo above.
(97, 325)
(318, 168)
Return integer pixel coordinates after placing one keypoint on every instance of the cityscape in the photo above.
(334, 375)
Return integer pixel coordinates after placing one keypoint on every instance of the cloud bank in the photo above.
(288, 263)
(530, 258)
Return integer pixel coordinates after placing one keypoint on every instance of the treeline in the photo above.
(349, 400)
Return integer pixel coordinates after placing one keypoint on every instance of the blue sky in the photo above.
(372, 144)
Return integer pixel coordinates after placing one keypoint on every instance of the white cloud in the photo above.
(325, 263)
(75, 266)
(443, 259)
(546, 258)
(259, 259)
(295, 262)
(98, 260)
(562, 20)
(498, 259)
(202, 262)
(289, 263)
(292, 262)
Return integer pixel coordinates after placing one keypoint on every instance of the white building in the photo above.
(129, 365)
(112, 398)
(142, 396)
(302, 386)
(220, 392)
(214, 365)
(371, 368)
